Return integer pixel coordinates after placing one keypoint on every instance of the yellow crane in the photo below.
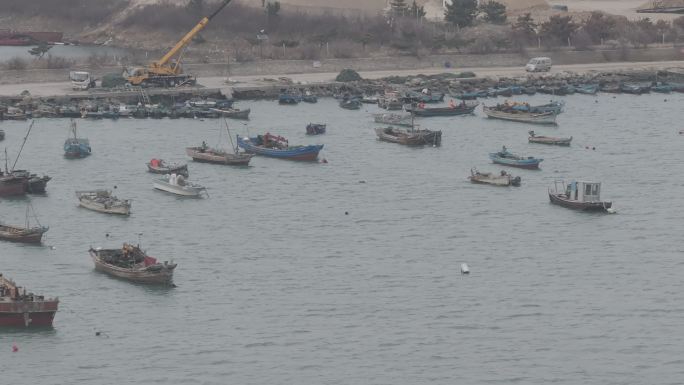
(166, 72)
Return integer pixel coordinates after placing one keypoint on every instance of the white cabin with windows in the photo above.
(583, 191)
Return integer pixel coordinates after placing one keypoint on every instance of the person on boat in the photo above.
(504, 150)
(451, 103)
(204, 146)
(421, 105)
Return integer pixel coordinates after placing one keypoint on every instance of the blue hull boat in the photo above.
(587, 89)
(508, 159)
(289, 99)
(75, 147)
(255, 145)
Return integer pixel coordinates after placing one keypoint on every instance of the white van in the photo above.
(538, 64)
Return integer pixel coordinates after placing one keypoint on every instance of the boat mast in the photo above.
(230, 136)
(22, 144)
(6, 170)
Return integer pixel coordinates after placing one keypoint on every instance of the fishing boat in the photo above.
(390, 101)
(75, 147)
(104, 202)
(33, 184)
(662, 88)
(579, 195)
(519, 116)
(278, 147)
(176, 184)
(159, 166)
(470, 95)
(533, 138)
(513, 160)
(206, 154)
(21, 309)
(394, 119)
(233, 113)
(351, 104)
(453, 110)
(610, 88)
(289, 98)
(26, 233)
(424, 97)
(133, 264)
(13, 113)
(11, 185)
(587, 89)
(308, 97)
(501, 179)
(315, 128)
(635, 89)
(409, 137)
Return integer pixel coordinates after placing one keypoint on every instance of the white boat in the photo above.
(104, 202)
(176, 184)
(518, 116)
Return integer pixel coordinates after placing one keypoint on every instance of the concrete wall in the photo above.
(283, 67)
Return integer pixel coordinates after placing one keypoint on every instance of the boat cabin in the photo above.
(583, 191)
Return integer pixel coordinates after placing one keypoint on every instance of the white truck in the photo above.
(81, 80)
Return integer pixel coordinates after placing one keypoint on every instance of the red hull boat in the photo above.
(21, 309)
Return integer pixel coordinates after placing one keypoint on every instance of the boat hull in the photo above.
(303, 153)
(11, 186)
(530, 164)
(218, 158)
(181, 170)
(163, 277)
(409, 138)
(442, 111)
(550, 141)
(544, 118)
(188, 191)
(101, 208)
(21, 235)
(561, 200)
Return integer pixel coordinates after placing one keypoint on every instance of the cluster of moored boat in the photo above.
(130, 262)
(194, 109)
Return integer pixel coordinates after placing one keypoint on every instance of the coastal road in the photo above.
(64, 88)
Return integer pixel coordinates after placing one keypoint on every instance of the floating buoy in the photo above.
(15, 348)
(346, 213)
(98, 333)
(324, 160)
(586, 147)
(593, 148)
(362, 181)
(464, 268)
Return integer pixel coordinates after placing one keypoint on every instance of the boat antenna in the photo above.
(6, 170)
(230, 136)
(23, 143)
(139, 236)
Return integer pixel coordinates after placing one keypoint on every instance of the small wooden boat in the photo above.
(23, 234)
(555, 107)
(409, 137)
(548, 140)
(610, 88)
(390, 101)
(75, 147)
(33, 184)
(233, 113)
(519, 116)
(369, 100)
(211, 155)
(176, 184)
(394, 119)
(454, 110)
(104, 202)
(309, 98)
(289, 98)
(11, 185)
(133, 264)
(351, 104)
(159, 166)
(21, 309)
(13, 113)
(579, 195)
(278, 147)
(587, 89)
(315, 128)
(513, 160)
(501, 179)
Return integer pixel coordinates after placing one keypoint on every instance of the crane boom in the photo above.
(182, 43)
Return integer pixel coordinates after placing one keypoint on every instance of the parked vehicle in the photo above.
(539, 64)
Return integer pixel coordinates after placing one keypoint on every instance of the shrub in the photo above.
(348, 75)
(16, 64)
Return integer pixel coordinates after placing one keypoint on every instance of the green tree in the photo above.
(494, 12)
(272, 12)
(40, 50)
(461, 13)
(559, 29)
(417, 11)
(599, 27)
(524, 29)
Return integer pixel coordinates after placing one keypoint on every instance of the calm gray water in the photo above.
(276, 285)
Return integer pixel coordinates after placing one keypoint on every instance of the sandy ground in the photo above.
(63, 88)
(617, 7)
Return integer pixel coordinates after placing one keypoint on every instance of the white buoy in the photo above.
(611, 211)
(464, 268)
